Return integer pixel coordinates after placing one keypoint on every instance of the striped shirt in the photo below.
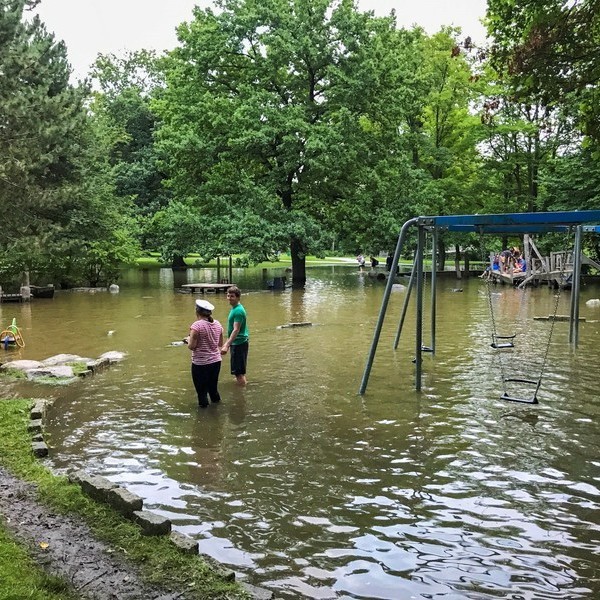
(207, 351)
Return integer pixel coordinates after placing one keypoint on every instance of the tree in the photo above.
(41, 117)
(121, 109)
(54, 218)
(450, 130)
(550, 50)
(268, 112)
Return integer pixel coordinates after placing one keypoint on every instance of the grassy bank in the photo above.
(159, 562)
(152, 261)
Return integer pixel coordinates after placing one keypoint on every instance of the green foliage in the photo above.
(550, 50)
(42, 119)
(121, 110)
(274, 114)
(573, 182)
(241, 261)
(175, 230)
(56, 202)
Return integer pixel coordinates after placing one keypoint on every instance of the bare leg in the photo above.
(240, 379)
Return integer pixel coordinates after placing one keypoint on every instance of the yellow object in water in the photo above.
(12, 336)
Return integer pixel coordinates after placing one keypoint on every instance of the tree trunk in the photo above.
(457, 260)
(178, 264)
(298, 264)
(441, 255)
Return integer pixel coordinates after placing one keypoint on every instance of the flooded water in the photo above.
(303, 486)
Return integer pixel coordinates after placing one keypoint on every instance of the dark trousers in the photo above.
(206, 379)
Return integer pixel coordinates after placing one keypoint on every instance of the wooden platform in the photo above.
(557, 318)
(509, 278)
(11, 298)
(201, 288)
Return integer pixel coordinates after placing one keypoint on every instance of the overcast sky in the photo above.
(89, 27)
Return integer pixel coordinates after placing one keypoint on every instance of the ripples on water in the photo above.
(305, 487)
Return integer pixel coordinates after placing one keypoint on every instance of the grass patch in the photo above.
(19, 374)
(152, 260)
(22, 578)
(78, 367)
(55, 381)
(158, 560)
(13, 374)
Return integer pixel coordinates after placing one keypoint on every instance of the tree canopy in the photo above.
(275, 113)
(54, 219)
(550, 49)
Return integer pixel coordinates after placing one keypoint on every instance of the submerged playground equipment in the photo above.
(11, 337)
(574, 222)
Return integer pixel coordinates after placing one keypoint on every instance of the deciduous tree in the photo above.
(268, 113)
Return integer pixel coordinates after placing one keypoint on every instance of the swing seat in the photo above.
(502, 345)
(523, 380)
(532, 400)
(423, 349)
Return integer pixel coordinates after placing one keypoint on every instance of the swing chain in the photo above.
(488, 283)
(561, 282)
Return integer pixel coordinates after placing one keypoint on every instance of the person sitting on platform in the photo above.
(496, 262)
(520, 265)
(487, 274)
(374, 262)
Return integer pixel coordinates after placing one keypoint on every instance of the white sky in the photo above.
(89, 27)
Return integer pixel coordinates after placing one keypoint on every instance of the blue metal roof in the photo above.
(538, 222)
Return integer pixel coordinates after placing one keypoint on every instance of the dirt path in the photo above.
(72, 551)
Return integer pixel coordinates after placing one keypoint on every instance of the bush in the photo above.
(241, 261)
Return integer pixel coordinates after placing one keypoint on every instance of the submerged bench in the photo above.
(206, 287)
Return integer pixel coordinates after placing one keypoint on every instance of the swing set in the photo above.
(492, 224)
(507, 342)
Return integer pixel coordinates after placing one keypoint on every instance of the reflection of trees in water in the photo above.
(206, 436)
(295, 305)
(236, 405)
(206, 440)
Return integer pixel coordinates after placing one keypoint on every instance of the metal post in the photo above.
(575, 287)
(527, 252)
(384, 303)
(434, 250)
(419, 324)
(405, 307)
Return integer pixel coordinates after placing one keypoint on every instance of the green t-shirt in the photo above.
(238, 315)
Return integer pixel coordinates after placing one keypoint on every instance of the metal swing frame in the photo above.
(505, 223)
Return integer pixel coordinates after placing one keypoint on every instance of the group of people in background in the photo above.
(375, 262)
(207, 344)
(508, 261)
(362, 262)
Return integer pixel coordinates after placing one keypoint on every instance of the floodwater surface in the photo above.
(306, 488)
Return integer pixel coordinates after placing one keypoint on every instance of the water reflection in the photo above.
(305, 487)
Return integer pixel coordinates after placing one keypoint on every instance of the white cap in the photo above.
(204, 305)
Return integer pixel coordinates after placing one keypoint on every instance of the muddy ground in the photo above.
(72, 552)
